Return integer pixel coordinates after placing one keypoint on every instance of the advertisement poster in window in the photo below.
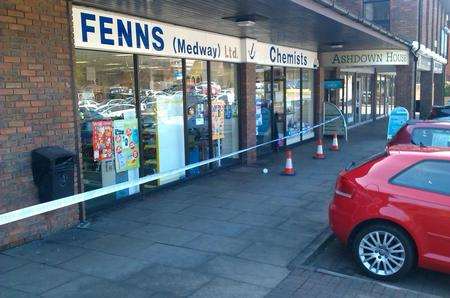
(218, 119)
(126, 144)
(102, 140)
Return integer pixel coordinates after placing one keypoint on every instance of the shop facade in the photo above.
(133, 96)
(148, 107)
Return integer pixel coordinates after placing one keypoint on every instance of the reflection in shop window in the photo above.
(278, 104)
(162, 124)
(307, 103)
(293, 122)
(263, 102)
(104, 85)
(224, 109)
(197, 111)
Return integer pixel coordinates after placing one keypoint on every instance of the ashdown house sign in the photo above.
(101, 30)
(365, 58)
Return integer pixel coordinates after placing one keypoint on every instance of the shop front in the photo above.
(367, 91)
(284, 105)
(154, 97)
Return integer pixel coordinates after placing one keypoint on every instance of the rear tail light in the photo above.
(343, 188)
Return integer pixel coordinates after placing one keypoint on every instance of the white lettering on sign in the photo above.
(365, 58)
(101, 30)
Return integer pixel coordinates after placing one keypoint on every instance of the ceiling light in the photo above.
(245, 23)
(336, 45)
(246, 20)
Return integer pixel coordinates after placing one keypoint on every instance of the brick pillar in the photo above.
(404, 87)
(426, 93)
(439, 83)
(247, 109)
(319, 97)
(373, 98)
(36, 107)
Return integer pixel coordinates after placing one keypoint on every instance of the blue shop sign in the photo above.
(397, 119)
(333, 84)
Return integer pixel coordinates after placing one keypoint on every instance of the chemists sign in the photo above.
(365, 58)
(101, 30)
(270, 54)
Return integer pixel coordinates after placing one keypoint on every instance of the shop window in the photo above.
(106, 103)
(307, 102)
(278, 103)
(162, 122)
(224, 109)
(263, 101)
(377, 12)
(293, 108)
(197, 113)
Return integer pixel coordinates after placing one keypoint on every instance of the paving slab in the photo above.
(290, 239)
(246, 271)
(166, 235)
(210, 212)
(215, 227)
(75, 236)
(10, 293)
(269, 254)
(253, 219)
(167, 279)
(8, 262)
(174, 256)
(36, 278)
(118, 245)
(218, 244)
(105, 265)
(113, 225)
(226, 288)
(93, 287)
(45, 252)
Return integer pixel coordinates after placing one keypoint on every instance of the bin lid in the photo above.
(53, 152)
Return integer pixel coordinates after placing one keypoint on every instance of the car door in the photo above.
(422, 191)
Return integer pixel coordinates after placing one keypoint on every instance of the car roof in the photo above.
(410, 149)
(435, 123)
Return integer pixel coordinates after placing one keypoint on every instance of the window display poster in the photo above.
(126, 144)
(102, 140)
(218, 119)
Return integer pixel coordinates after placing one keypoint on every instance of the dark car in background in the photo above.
(429, 133)
(440, 113)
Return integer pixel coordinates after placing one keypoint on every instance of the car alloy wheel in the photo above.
(382, 253)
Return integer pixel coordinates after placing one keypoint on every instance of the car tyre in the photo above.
(383, 251)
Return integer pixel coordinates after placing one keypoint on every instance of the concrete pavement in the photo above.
(230, 234)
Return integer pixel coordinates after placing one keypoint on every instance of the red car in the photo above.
(423, 132)
(393, 211)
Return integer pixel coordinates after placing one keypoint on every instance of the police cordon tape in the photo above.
(37, 209)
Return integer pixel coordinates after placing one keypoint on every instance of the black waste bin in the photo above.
(53, 172)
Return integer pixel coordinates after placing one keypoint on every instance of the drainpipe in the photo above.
(419, 35)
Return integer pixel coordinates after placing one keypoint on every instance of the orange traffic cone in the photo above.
(289, 168)
(319, 153)
(335, 145)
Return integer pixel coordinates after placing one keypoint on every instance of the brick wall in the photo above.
(403, 18)
(36, 106)
(404, 86)
(247, 109)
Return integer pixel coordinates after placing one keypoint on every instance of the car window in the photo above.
(429, 175)
(431, 137)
